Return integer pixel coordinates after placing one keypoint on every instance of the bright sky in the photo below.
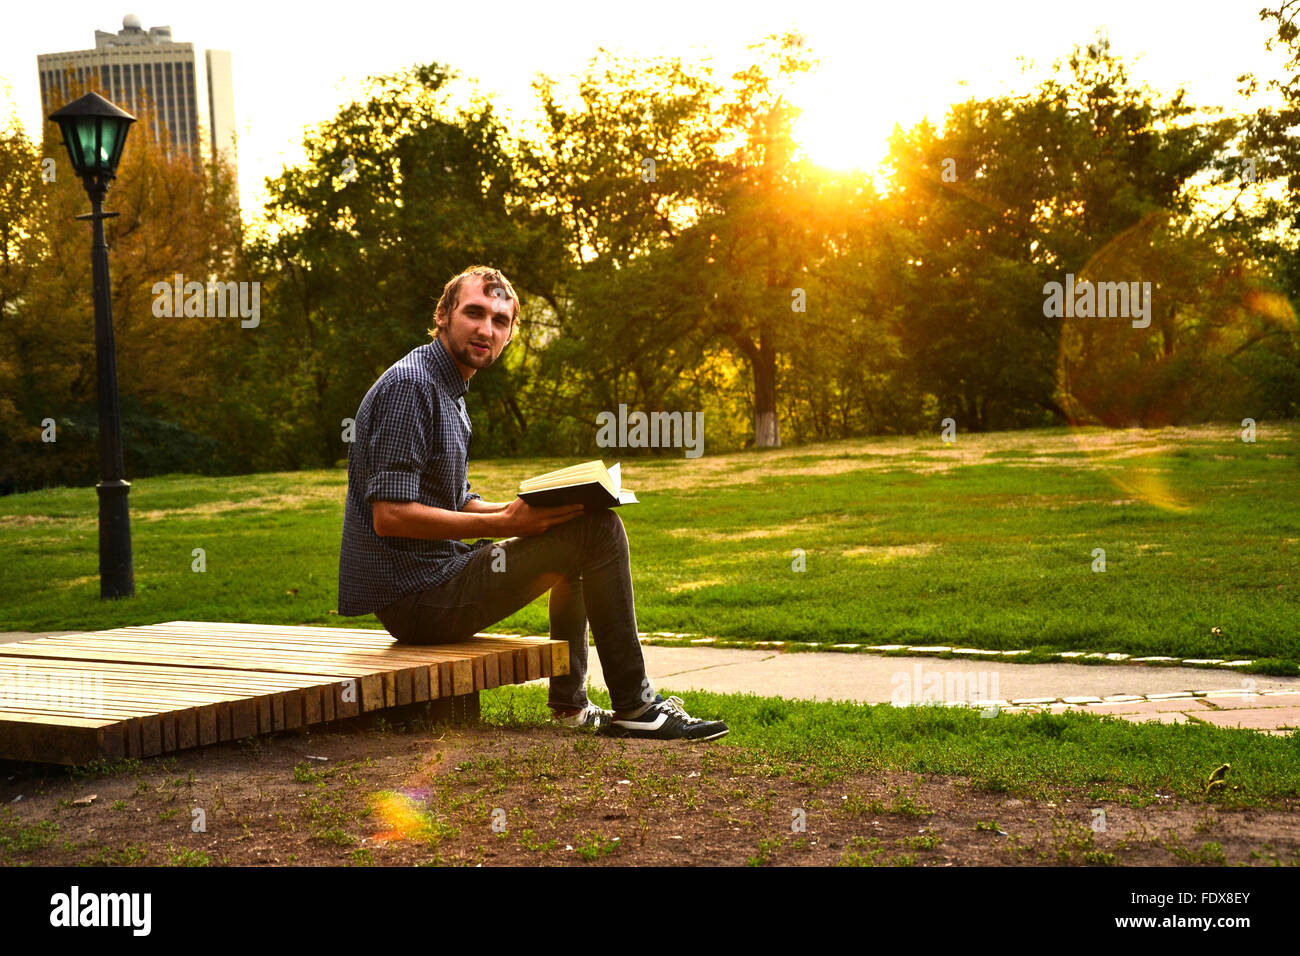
(293, 64)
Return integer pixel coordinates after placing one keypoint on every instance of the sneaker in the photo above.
(667, 720)
(590, 717)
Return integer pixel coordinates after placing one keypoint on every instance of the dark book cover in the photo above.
(592, 494)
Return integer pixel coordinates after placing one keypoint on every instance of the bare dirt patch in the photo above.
(1082, 449)
(314, 494)
(27, 521)
(889, 552)
(533, 796)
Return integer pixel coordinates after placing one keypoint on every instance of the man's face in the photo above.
(481, 318)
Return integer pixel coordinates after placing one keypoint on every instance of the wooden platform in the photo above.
(144, 691)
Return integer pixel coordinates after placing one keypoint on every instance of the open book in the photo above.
(589, 484)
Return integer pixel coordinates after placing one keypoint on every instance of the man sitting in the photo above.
(409, 505)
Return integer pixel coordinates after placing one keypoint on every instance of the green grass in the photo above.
(1034, 756)
(987, 542)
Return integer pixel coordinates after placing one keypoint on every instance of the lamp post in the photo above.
(94, 131)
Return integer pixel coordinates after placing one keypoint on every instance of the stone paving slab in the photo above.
(1142, 707)
(1273, 718)
(1255, 702)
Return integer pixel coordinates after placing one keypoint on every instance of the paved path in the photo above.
(1221, 697)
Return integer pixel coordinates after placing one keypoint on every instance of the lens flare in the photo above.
(403, 814)
(1156, 330)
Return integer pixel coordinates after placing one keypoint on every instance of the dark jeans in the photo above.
(584, 563)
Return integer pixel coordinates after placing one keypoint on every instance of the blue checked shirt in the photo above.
(411, 443)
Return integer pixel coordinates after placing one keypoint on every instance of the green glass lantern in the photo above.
(94, 131)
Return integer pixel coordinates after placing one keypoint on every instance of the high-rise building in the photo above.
(133, 65)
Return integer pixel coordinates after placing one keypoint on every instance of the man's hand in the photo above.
(522, 519)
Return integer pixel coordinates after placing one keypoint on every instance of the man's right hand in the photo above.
(522, 519)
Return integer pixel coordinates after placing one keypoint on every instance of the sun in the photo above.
(839, 131)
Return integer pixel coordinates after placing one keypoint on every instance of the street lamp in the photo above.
(94, 131)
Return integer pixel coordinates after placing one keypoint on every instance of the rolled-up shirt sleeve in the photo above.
(401, 430)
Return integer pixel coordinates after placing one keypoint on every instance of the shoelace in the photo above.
(676, 706)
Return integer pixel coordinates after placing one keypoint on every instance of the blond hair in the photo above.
(493, 283)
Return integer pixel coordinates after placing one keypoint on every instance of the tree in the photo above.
(400, 191)
(174, 217)
(1022, 190)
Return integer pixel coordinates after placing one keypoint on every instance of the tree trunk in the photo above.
(767, 428)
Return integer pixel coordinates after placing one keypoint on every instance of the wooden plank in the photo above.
(448, 650)
(390, 688)
(172, 679)
(491, 671)
(68, 740)
(371, 689)
(207, 725)
(133, 745)
(264, 714)
(462, 677)
(187, 728)
(316, 636)
(150, 736)
(311, 703)
(297, 665)
(292, 709)
(344, 707)
(243, 717)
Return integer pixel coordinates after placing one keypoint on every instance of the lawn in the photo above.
(990, 541)
(796, 782)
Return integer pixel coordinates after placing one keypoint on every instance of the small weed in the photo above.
(927, 841)
(765, 849)
(16, 838)
(528, 840)
(304, 772)
(106, 768)
(595, 846)
(184, 857)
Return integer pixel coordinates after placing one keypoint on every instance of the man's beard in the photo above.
(469, 353)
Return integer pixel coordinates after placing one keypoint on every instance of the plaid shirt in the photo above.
(411, 443)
